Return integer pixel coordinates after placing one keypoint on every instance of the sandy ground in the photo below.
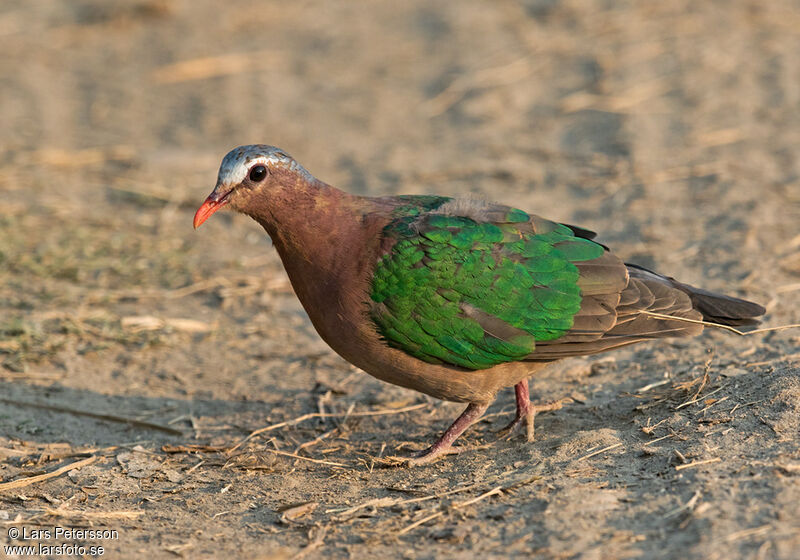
(144, 353)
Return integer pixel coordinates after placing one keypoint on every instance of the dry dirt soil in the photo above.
(137, 355)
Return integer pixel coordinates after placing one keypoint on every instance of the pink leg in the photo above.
(444, 445)
(526, 411)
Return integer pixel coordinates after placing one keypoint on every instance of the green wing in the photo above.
(477, 292)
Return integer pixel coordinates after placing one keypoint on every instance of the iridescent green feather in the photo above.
(441, 266)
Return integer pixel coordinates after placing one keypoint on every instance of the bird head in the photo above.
(247, 173)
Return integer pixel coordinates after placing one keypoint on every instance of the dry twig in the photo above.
(311, 415)
(315, 543)
(698, 463)
(688, 506)
(96, 416)
(296, 456)
(56, 473)
(599, 451)
(493, 492)
(92, 515)
(692, 401)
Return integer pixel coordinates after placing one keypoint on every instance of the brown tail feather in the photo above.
(617, 314)
(721, 309)
(715, 308)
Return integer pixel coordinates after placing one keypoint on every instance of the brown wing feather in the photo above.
(614, 298)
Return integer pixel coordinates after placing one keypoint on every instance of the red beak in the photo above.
(213, 203)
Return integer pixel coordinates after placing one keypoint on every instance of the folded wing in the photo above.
(474, 285)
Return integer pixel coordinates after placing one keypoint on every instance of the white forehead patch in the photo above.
(237, 163)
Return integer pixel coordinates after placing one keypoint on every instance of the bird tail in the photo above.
(715, 308)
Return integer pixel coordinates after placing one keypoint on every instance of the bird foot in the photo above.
(513, 427)
(525, 417)
(444, 445)
(431, 454)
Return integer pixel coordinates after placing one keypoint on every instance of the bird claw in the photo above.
(526, 417)
(431, 454)
(513, 427)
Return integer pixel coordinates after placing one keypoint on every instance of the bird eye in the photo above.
(258, 173)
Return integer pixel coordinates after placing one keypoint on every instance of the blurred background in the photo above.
(671, 128)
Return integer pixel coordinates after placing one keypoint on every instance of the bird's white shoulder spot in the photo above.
(474, 208)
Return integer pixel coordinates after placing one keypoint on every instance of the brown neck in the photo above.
(299, 217)
(326, 238)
